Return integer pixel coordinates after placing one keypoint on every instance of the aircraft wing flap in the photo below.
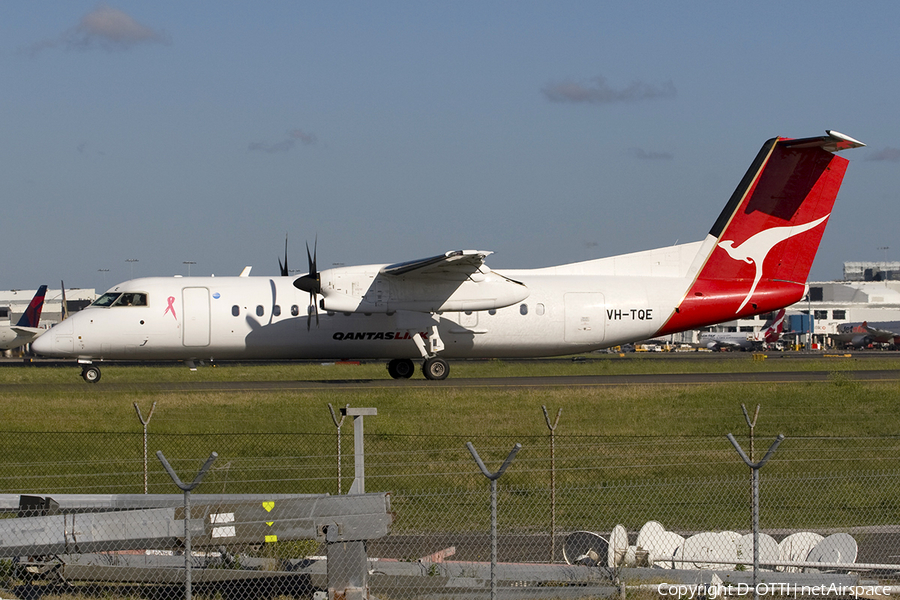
(461, 262)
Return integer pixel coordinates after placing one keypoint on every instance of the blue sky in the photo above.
(546, 132)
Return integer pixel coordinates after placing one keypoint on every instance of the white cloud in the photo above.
(598, 91)
(104, 28)
(888, 154)
(294, 136)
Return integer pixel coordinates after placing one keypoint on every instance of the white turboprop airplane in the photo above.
(755, 259)
(27, 327)
(769, 334)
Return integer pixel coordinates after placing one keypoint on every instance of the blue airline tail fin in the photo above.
(32, 315)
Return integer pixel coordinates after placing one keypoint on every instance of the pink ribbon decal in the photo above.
(171, 307)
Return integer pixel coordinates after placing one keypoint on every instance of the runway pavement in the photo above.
(680, 379)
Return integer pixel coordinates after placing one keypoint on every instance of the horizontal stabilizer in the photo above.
(833, 142)
(27, 331)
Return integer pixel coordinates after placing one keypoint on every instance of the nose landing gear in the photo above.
(90, 373)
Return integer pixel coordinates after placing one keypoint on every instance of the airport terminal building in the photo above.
(14, 302)
(869, 291)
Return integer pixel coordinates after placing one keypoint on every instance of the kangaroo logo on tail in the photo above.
(756, 248)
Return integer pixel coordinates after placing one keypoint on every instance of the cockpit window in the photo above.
(107, 299)
(122, 299)
(132, 299)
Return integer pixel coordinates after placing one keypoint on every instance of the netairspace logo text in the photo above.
(769, 589)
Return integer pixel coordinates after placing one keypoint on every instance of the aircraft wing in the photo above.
(458, 262)
(458, 280)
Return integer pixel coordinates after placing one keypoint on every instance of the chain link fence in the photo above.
(577, 516)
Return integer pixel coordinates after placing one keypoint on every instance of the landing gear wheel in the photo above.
(90, 374)
(435, 368)
(401, 368)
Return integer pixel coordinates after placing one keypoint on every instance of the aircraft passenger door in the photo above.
(585, 317)
(195, 322)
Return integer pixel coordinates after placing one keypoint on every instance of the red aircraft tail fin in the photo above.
(761, 248)
(774, 328)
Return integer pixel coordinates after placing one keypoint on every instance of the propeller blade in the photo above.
(284, 267)
(65, 305)
(312, 309)
(312, 259)
(310, 283)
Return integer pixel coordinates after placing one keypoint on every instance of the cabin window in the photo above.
(235, 310)
(839, 314)
(260, 311)
(276, 311)
(523, 309)
(295, 310)
(540, 309)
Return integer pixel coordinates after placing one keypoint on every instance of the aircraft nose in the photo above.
(56, 341)
(42, 344)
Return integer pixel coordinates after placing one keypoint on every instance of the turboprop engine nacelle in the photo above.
(349, 289)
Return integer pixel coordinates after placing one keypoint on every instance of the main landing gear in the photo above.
(401, 368)
(434, 368)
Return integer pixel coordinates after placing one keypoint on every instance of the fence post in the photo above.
(752, 426)
(359, 454)
(144, 422)
(493, 477)
(338, 425)
(186, 488)
(552, 428)
(755, 504)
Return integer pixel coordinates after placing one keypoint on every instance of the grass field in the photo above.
(842, 406)
(59, 433)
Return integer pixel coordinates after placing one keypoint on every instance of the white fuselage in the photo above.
(568, 309)
(742, 340)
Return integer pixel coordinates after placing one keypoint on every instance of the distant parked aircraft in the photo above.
(860, 335)
(769, 334)
(26, 329)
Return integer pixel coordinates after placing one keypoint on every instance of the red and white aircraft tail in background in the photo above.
(755, 259)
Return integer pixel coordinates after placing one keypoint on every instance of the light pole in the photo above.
(809, 325)
(104, 271)
(188, 263)
(132, 261)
